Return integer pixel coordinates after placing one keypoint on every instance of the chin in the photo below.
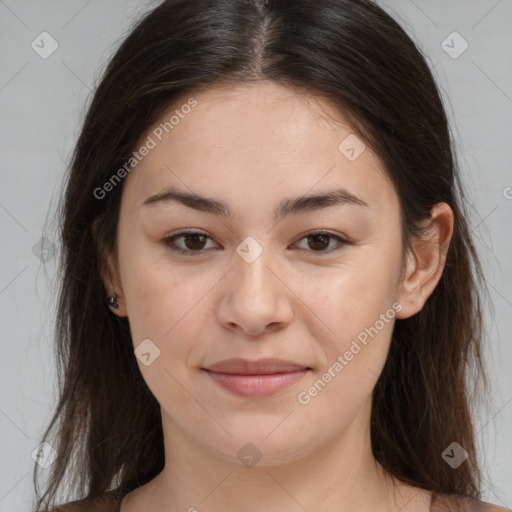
(254, 447)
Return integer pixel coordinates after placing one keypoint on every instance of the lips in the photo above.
(256, 379)
(241, 366)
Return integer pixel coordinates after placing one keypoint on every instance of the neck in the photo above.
(343, 475)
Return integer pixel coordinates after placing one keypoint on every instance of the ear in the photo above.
(109, 275)
(425, 264)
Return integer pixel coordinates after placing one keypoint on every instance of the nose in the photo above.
(255, 297)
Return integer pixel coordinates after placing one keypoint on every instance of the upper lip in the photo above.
(239, 366)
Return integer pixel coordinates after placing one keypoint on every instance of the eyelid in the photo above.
(340, 239)
(168, 239)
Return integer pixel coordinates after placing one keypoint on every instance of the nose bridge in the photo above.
(251, 268)
(255, 298)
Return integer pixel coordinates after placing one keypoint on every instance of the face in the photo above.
(268, 274)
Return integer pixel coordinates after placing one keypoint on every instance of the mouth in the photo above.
(256, 379)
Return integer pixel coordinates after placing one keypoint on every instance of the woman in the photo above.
(267, 195)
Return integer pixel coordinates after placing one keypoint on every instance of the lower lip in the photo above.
(256, 386)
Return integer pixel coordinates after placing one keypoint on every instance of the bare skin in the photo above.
(303, 300)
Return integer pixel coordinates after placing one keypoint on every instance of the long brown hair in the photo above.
(107, 427)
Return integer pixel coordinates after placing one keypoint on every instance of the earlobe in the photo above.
(425, 263)
(115, 298)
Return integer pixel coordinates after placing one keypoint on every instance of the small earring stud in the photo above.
(111, 301)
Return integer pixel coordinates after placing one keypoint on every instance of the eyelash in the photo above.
(167, 241)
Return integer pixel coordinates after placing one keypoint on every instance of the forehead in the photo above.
(264, 141)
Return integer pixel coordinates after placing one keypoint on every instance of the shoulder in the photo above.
(457, 503)
(107, 502)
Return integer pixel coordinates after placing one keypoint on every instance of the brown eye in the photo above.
(195, 241)
(192, 242)
(320, 241)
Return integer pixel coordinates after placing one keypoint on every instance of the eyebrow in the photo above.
(287, 206)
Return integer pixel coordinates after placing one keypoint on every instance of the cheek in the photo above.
(354, 360)
(167, 307)
(168, 313)
(353, 317)
(347, 301)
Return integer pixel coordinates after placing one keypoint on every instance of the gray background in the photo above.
(42, 102)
